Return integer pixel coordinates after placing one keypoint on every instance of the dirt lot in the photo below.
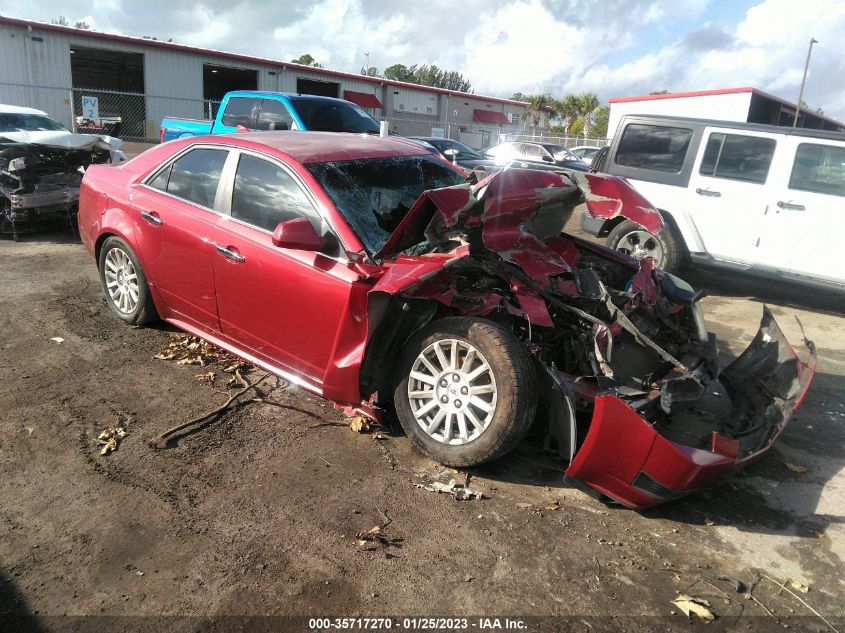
(256, 514)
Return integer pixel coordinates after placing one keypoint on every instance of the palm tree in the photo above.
(537, 106)
(587, 103)
(568, 108)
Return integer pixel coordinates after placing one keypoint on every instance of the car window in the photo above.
(320, 115)
(25, 122)
(373, 195)
(195, 176)
(503, 150)
(657, 147)
(532, 152)
(738, 157)
(273, 116)
(238, 112)
(819, 168)
(264, 195)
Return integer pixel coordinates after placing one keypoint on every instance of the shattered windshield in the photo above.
(374, 194)
(23, 122)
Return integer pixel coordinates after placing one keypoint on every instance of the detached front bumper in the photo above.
(624, 457)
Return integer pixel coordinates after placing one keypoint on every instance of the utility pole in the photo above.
(803, 80)
(367, 67)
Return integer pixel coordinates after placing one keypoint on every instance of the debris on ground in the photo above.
(109, 439)
(208, 377)
(190, 350)
(359, 424)
(374, 538)
(698, 606)
(58, 340)
(796, 468)
(799, 586)
(458, 491)
(160, 441)
(739, 586)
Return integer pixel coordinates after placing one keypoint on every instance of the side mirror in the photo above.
(547, 159)
(299, 234)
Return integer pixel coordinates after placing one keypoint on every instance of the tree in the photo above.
(61, 21)
(537, 105)
(518, 96)
(568, 109)
(601, 117)
(306, 60)
(587, 103)
(399, 72)
(372, 71)
(82, 24)
(659, 92)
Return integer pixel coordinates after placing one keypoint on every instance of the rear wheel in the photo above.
(468, 391)
(634, 240)
(124, 283)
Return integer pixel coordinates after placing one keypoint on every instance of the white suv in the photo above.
(757, 198)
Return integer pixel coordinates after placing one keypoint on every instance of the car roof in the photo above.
(13, 109)
(323, 147)
(271, 94)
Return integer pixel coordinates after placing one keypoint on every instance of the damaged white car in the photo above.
(41, 166)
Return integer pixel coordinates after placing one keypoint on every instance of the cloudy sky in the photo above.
(612, 47)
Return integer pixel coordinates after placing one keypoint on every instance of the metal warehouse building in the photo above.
(139, 81)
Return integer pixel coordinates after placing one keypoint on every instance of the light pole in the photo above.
(803, 80)
(367, 67)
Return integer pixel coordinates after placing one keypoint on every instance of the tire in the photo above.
(631, 238)
(117, 262)
(467, 434)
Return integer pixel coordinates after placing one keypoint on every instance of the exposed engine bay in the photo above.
(39, 182)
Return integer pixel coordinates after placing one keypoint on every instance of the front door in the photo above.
(173, 214)
(727, 193)
(287, 305)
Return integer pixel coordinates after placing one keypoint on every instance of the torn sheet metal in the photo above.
(611, 196)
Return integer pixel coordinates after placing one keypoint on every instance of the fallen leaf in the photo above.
(800, 587)
(551, 507)
(359, 424)
(109, 439)
(58, 340)
(208, 377)
(192, 360)
(374, 538)
(796, 468)
(698, 606)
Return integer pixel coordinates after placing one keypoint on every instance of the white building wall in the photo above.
(724, 107)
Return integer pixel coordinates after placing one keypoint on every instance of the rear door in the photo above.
(287, 305)
(806, 212)
(174, 214)
(727, 192)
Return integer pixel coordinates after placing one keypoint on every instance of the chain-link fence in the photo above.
(481, 135)
(130, 116)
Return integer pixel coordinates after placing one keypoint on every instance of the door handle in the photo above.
(707, 192)
(789, 205)
(152, 218)
(225, 252)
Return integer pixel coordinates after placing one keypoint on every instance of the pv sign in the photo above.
(90, 107)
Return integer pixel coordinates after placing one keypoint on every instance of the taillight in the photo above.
(161, 135)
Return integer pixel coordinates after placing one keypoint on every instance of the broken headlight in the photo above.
(17, 164)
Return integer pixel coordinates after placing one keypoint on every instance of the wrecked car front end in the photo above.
(40, 177)
(632, 395)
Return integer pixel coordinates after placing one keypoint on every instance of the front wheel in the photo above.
(467, 392)
(634, 240)
(124, 283)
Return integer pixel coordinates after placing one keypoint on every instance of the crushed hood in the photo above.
(66, 140)
(519, 208)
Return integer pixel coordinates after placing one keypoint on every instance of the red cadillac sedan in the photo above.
(385, 279)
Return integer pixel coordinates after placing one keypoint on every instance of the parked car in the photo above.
(585, 152)
(369, 272)
(243, 110)
(41, 166)
(460, 154)
(530, 155)
(738, 196)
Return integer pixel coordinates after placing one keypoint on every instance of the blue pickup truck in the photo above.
(252, 110)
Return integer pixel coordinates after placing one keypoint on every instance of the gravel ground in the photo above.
(256, 513)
